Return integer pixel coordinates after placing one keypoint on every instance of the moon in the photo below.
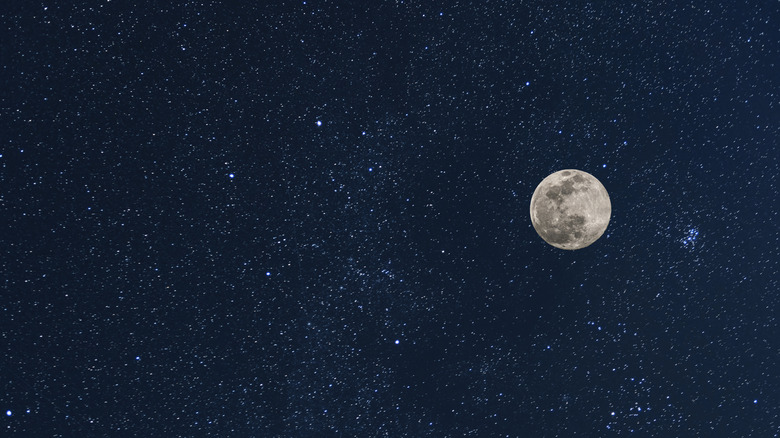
(570, 209)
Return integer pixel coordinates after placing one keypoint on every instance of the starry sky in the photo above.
(311, 218)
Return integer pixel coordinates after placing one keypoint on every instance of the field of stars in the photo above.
(311, 219)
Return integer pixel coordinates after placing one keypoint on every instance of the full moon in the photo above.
(570, 209)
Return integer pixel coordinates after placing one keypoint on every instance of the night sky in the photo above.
(311, 219)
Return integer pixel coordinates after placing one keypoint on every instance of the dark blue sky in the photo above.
(311, 219)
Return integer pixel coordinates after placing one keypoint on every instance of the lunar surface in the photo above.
(570, 209)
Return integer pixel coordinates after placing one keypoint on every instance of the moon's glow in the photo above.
(570, 209)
